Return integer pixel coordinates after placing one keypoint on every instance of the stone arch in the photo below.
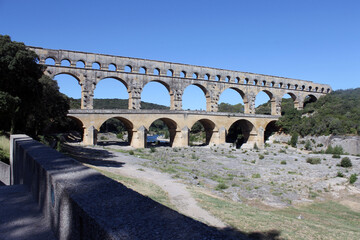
(65, 62)
(270, 129)
(260, 100)
(80, 64)
(126, 122)
(167, 87)
(237, 90)
(209, 127)
(50, 58)
(171, 125)
(204, 90)
(309, 98)
(240, 132)
(96, 65)
(111, 86)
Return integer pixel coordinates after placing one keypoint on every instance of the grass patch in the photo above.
(4, 149)
(313, 160)
(144, 188)
(326, 220)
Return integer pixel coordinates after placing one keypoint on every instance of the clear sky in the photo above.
(316, 40)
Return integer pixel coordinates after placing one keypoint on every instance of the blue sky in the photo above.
(310, 40)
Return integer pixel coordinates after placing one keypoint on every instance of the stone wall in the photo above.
(4, 173)
(80, 203)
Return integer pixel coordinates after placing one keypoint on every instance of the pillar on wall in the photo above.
(87, 94)
(276, 106)
(90, 136)
(135, 97)
(249, 104)
(181, 138)
(176, 99)
(218, 137)
(255, 137)
(138, 139)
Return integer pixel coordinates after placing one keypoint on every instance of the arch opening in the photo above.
(128, 68)
(170, 73)
(111, 93)
(270, 129)
(115, 131)
(69, 85)
(112, 67)
(155, 95)
(65, 63)
(142, 70)
(161, 133)
(239, 133)
(157, 71)
(50, 61)
(231, 100)
(206, 76)
(287, 103)
(96, 65)
(201, 132)
(80, 64)
(182, 74)
(309, 100)
(73, 130)
(195, 97)
(263, 102)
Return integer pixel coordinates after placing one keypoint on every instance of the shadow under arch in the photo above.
(270, 128)
(116, 125)
(203, 125)
(310, 98)
(170, 126)
(74, 129)
(239, 132)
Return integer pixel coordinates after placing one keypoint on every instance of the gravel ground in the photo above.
(278, 175)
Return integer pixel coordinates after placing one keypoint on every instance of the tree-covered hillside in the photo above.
(337, 113)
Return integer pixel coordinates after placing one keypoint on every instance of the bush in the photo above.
(346, 162)
(120, 135)
(336, 156)
(334, 150)
(283, 162)
(261, 156)
(308, 145)
(152, 149)
(256, 175)
(353, 178)
(313, 160)
(221, 186)
(340, 174)
(294, 139)
(131, 152)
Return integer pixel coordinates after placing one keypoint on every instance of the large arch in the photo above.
(239, 132)
(111, 88)
(192, 98)
(171, 126)
(270, 129)
(69, 84)
(264, 102)
(75, 129)
(127, 126)
(231, 100)
(205, 125)
(156, 92)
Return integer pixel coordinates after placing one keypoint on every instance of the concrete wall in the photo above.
(80, 203)
(4, 173)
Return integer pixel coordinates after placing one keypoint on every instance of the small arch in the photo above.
(296, 86)
(272, 84)
(128, 68)
(170, 73)
(80, 64)
(201, 132)
(316, 89)
(328, 90)
(303, 87)
(237, 80)
(157, 71)
(255, 82)
(246, 81)
(207, 76)
(310, 88)
(195, 75)
(65, 63)
(142, 70)
(115, 131)
(270, 129)
(281, 85)
(96, 65)
(50, 61)
(239, 132)
(165, 127)
(288, 86)
(217, 78)
(263, 83)
(112, 67)
(182, 74)
(322, 90)
(227, 79)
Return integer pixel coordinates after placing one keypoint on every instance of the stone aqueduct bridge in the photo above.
(135, 73)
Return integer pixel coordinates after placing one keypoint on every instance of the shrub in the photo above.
(313, 160)
(334, 150)
(131, 152)
(221, 186)
(120, 135)
(261, 156)
(256, 175)
(353, 178)
(308, 145)
(152, 149)
(340, 174)
(336, 156)
(283, 162)
(346, 162)
(294, 139)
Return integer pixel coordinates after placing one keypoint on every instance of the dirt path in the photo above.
(179, 196)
